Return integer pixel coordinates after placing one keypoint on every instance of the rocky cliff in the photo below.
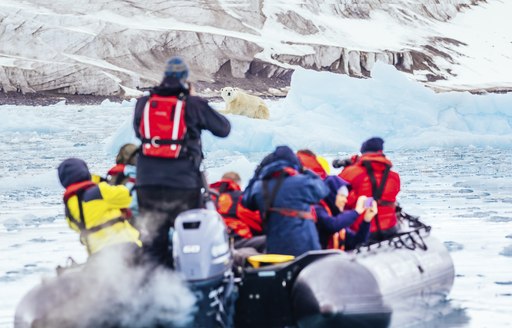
(112, 48)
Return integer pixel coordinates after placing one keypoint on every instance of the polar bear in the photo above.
(241, 103)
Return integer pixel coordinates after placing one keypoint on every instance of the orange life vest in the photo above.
(310, 162)
(239, 220)
(77, 188)
(162, 126)
(337, 240)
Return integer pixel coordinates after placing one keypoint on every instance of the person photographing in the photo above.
(370, 175)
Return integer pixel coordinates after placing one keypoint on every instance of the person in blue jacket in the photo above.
(284, 195)
(333, 221)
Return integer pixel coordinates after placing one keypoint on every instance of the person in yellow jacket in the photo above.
(95, 210)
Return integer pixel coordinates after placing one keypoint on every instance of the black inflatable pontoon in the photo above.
(391, 283)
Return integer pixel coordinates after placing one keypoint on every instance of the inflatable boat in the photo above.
(389, 283)
(378, 286)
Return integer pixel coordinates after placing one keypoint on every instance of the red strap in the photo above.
(288, 171)
(326, 207)
(74, 188)
(294, 213)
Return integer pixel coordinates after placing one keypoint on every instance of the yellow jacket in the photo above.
(101, 223)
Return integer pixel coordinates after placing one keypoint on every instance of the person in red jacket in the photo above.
(244, 225)
(370, 175)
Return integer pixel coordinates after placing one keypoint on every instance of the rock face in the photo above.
(112, 48)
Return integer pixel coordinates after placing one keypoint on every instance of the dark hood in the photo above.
(282, 157)
(73, 170)
(282, 153)
(334, 183)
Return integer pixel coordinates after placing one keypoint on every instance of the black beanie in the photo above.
(374, 144)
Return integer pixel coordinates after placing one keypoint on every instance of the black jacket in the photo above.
(183, 172)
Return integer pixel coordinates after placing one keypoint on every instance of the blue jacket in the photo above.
(183, 172)
(329, 224)
(286, 234)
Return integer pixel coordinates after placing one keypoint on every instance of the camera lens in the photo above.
(337, 163)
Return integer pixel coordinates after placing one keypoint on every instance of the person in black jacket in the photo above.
(170, 183)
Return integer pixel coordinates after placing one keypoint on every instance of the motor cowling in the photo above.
(201, 245)
(201, 252)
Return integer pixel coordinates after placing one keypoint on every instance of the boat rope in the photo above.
(412, 239)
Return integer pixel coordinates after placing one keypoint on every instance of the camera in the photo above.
(337, 163)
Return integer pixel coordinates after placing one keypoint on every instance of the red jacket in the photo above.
(360, 180)
(239, 220)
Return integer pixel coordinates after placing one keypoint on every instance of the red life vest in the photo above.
(239, 220)
(227, 203)
(77, 189)
(162, 126)
(225, 185)
(237, 228)
(310, 162)
(360, 179)
(116, 169)
(116, 176)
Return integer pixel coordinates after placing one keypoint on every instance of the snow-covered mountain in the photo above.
(113, 47)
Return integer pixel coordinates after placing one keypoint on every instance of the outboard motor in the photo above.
(202, 253)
